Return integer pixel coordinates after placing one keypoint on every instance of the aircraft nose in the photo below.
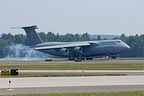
(126, 47)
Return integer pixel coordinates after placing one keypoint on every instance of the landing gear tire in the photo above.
(71, 58)
(113, 56)
(89, 58)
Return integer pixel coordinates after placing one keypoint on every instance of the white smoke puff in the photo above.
(22, 51)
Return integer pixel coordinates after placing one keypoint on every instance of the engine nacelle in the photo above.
(63, 51)
(78, 49)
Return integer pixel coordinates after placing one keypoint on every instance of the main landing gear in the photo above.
(113, 56)
(80, 58)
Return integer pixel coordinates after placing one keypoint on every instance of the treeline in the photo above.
(135, 42)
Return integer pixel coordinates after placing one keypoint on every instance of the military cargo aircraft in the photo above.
(85, 49)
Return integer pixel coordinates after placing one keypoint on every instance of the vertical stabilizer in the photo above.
(33, 37)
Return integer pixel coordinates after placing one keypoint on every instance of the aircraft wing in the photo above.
(63, 46)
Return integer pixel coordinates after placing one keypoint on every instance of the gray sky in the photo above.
(112, 17)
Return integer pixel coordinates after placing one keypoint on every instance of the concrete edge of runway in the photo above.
(74, 89)
(7, 88)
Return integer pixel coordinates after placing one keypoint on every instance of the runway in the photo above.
(71, 81)
(46, 83)
(74, 89)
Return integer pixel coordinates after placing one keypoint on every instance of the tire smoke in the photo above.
(22, 51)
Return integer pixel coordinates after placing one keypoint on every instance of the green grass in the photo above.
(133, 93)
(73, 66)
(62, 74)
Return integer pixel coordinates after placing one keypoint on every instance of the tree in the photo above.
(77, 37)
(58, 38)
(98, 37)
(85, 37)
(19, 39)
(51, 36)
(68, 38)
(43, 36)
(3, 49)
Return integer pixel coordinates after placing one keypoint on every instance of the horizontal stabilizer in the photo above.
(32, 26)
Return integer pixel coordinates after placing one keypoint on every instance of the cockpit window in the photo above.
(119, 41)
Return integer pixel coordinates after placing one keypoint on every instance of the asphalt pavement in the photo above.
(71, 84)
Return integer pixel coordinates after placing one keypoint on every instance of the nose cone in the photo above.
(127, 47)
(122, 47)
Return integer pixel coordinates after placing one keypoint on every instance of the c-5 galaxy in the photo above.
(81, 49)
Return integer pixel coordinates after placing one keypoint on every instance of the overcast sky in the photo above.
(112, 17)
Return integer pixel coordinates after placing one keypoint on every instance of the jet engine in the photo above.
(63, 51)
(78, 49)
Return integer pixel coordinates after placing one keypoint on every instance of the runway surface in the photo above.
(74, 89)
(59, 84)
(71, 81)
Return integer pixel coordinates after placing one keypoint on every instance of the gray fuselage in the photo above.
(96, 48)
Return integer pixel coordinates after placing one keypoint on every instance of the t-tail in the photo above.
(33, 37)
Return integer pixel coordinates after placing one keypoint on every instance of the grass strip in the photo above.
(73, 66)
(133, 93)
(62, 74)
